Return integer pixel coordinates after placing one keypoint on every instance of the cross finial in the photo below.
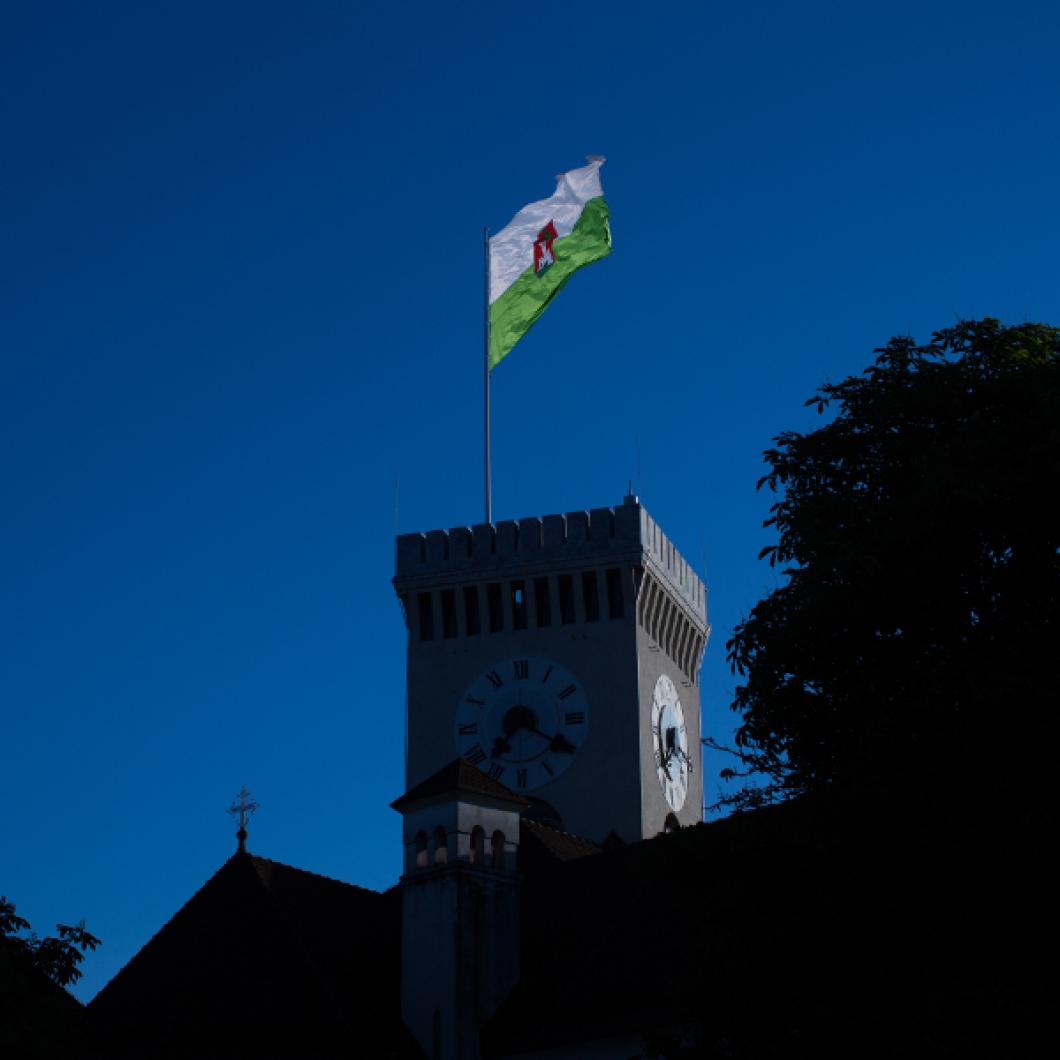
(242, 808)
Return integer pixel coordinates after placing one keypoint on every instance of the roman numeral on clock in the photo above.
(568, 691)
(520, 777)
(477, 702)
(522, 669)
(574, 717)
(475, 755)
(470, 729)
(548, 674)
(494, 679)
(495, 770)
(547, 767)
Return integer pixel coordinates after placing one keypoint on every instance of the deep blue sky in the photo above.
(240, 311)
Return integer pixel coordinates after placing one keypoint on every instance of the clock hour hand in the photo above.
(500, 746)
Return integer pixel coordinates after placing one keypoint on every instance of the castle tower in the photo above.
(561, 656)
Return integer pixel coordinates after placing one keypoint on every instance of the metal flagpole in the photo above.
(486, 359)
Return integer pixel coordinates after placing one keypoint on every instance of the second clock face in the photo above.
(522, 722)
(670, 742)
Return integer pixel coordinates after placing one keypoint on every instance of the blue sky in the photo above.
(240, 331)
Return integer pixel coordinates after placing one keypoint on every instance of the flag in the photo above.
(543, 245)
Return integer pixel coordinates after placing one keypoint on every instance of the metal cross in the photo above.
(242, 809)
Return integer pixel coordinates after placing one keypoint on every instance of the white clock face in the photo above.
(670, 742)
(522, 722)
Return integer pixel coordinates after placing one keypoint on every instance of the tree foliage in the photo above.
(911, 646)
(57, 956)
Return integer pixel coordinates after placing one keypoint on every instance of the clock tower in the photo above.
(561, 656)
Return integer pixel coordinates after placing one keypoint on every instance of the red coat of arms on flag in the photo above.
(543, 253)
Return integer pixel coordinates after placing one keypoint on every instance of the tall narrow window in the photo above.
(441, 848)
(478, 845)
(471, 610)
(497, 849)
(614, 592)
(493, 601)
(421, 850)
(423, 605)
(448, 613)
(542, 602)
(518, 591)
(589, 596)
(566, 599)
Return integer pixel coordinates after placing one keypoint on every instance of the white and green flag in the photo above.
(543, 245)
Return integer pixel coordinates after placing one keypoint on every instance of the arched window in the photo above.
(421, 850)
(478, 845)
(441, 851)
(497, 849)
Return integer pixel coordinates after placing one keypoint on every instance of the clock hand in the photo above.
(559, 742)
(500, 746)
(683, 755)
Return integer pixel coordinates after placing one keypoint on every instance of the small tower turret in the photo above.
(460, 906)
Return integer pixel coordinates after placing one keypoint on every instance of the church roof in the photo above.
(459, 776)
(264, 960)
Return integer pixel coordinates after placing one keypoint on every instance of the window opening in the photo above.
(448, 613)
(566, 599)
(590, 597)
(497, 849)
(421, 850)
(478, 845)
(518, 594)
(542, 602)
(441, 850)
(471, 610)
(493, 600)
(614, 592)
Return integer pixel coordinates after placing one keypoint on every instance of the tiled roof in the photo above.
(559, 846)
(264, 960)
(459, 776)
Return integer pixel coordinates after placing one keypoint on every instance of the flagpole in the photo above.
(486, 359)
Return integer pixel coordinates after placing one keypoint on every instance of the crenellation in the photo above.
(577, 528)
(482, 547)
(459, 544)
(601, 525)
(530, 534)
(555, 528)
(507, 539)
(625, 535)
(437, 546)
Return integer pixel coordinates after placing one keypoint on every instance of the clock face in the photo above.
(522, 722)
(670, 742)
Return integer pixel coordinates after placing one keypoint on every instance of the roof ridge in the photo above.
(560, 831)
(309, 872)
(459, 776)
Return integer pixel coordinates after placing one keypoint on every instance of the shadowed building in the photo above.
(553, 722)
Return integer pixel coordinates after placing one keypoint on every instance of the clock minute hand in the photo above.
(558, 742)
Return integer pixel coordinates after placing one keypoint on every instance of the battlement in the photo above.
(571, 540)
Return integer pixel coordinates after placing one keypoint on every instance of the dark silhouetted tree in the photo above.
(56, 956)
(911, 651)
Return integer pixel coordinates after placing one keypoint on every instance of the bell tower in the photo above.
(560, 655)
